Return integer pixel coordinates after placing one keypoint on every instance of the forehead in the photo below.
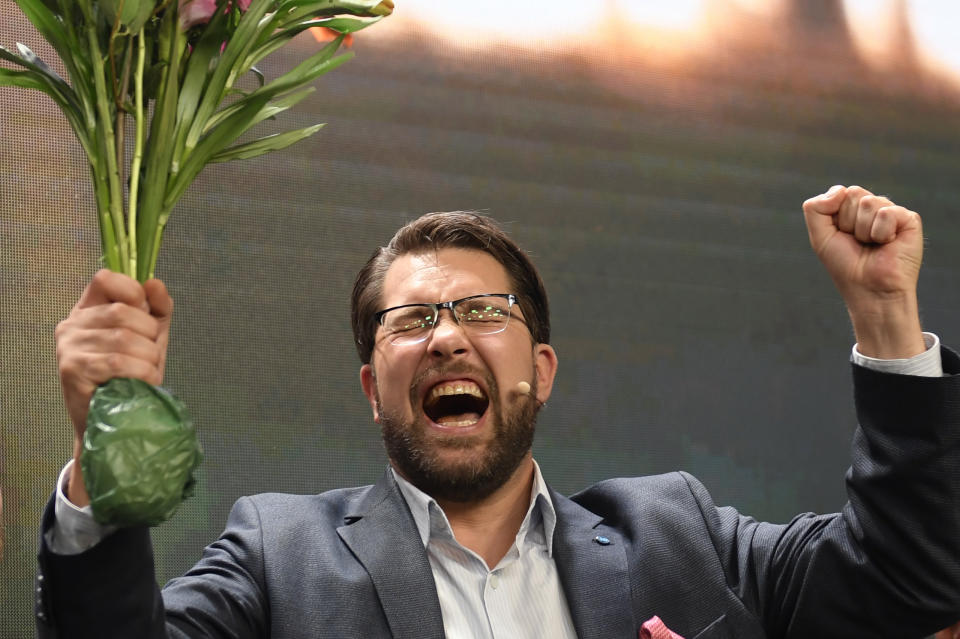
(439, 276)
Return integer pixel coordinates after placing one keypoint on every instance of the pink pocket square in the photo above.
(653, 628)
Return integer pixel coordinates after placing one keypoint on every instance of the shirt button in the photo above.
(494, 580)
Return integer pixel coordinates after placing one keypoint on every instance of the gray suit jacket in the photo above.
(349, 563)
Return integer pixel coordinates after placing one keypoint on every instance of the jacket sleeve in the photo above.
(888, 565)
(111, 591)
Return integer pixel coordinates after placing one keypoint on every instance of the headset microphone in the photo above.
(523, 388)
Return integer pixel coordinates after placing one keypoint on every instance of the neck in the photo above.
(489, 526)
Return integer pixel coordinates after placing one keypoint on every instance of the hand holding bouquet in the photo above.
(164, 73)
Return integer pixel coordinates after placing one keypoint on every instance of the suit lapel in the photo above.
(384, 539)
(592, 561)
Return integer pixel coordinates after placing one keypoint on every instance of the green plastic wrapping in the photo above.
(139, 453)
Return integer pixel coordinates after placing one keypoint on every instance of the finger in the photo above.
(109, 286)
(819, 213)
(161, 306)
(847, 214)
(884, 227)
(114, 315)
(85, 371)
(890, 221)
(159, 300)
(826, 203)
(866, 215)
(115, 340)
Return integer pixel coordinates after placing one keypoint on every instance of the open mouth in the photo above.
(456, 403)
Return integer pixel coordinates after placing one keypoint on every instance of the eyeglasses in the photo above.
(483, 314)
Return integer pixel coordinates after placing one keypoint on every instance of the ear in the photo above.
(368, 380)
(545, 361)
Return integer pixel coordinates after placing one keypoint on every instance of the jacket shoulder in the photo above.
(288, 510)
(646, 495)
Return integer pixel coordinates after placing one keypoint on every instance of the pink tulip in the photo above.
(194, 12)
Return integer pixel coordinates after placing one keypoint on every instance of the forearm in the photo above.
(888, 328)
(77, 488)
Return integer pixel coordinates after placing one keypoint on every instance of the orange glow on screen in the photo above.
(677, 27)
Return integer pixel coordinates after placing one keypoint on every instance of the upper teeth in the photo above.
(456, 388)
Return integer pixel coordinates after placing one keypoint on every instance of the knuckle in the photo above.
(117, 337)
(114, 312)
(66, 365)
(114, 362)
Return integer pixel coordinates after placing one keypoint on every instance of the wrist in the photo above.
(888, 329)
(76, 490)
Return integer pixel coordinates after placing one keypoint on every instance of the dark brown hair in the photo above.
(434, 231)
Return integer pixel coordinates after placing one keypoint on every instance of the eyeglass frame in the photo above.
(512, 301)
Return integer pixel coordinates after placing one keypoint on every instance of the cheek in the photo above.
(393, 381)
(509, 363)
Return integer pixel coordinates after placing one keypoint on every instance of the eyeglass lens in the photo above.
(476, 315)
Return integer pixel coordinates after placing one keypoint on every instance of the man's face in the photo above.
(453, 419)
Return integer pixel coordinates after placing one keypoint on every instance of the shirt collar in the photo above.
(430, 519)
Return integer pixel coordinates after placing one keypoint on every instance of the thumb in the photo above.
(159, 300)
(161, 307)
(819, 212)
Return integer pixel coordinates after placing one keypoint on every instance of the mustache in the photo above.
(456, 368)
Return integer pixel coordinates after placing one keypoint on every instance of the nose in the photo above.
(447, 338)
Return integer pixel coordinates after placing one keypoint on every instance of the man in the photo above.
(461, 536)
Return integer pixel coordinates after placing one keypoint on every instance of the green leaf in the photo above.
(200, 64)
(29, 60)
(265, 144)
(133, 14)
(21, 79)
(32, 58)
(48, 24)
(159, 151)
(345, 24)
(222, 136)
(308, 70)
(339, 23)
(51, 84)
(318, 58)
(228, 69)
(61, 36)
(289, 30)
(296, 10)
(261, 79)
(272, 109)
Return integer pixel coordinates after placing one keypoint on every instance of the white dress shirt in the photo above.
(519, 597)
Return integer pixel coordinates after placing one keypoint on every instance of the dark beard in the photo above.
(415, 455)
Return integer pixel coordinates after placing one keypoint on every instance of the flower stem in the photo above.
(139, 118)
(157, 240)
(108, 147)
(171, 44)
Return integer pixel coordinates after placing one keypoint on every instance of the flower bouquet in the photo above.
(152, 97)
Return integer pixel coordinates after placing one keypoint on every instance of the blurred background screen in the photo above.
(651, 157)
